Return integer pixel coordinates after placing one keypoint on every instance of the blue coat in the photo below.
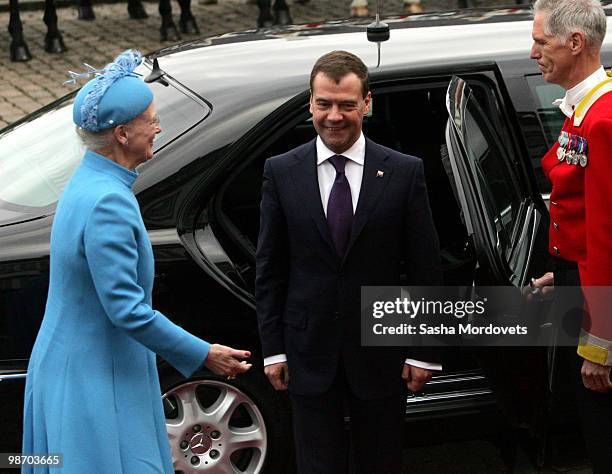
(92, 391)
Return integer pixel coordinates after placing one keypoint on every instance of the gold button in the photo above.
(556, 250)
(554, 203)
(556, 226)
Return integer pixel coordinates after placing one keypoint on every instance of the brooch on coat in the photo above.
(573, 149)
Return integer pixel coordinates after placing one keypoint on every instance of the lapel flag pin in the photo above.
(380, 174)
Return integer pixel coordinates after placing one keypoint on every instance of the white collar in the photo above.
(574, 95)
(355, 153)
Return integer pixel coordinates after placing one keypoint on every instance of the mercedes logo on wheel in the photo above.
(200, 444)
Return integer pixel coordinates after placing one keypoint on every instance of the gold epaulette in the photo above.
(595, 348)
(593, 95)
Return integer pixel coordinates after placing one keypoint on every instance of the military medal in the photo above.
(582, 158)
(570, 158)
(569, 154)
(560, 153)
(572, 149)
(580, 151)
(563, 141)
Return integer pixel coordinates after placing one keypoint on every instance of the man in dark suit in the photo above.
(338, 213)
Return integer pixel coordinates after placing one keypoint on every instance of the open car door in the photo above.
(508, 224)
(504, 214)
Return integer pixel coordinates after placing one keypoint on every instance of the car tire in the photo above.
(213, 423)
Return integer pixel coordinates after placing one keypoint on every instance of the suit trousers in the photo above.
(372, 443)
(595, 409)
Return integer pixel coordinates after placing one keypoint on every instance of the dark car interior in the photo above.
(408, 120)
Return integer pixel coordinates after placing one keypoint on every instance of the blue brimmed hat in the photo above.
(114, 97)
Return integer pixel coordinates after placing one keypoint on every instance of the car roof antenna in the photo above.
(157, 75)
(378, 32)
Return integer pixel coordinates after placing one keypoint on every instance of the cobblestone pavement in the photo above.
(24, 87)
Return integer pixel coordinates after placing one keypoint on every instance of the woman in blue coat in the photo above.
(92, 391)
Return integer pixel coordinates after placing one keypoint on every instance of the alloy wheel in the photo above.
(215, 428)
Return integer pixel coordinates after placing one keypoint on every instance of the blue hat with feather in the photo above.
(114, 97)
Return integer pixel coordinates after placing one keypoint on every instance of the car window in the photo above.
(550, 115)
(37, 158)
(537, 146)
(38, 155)
(497, 183)
(498, 196)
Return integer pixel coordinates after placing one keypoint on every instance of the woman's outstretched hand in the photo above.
(224, 360)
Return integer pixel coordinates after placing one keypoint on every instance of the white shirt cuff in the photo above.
(275, 359)
(422, 365)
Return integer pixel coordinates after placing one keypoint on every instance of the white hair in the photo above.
(564, 17)
(96, 141)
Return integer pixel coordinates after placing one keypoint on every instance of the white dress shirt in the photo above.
(353, 170)
(574, 95)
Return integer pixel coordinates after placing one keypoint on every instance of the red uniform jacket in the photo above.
(581, 217)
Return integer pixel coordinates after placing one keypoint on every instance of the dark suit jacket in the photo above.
(308, 298)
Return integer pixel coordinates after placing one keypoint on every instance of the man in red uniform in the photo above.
(567, 37)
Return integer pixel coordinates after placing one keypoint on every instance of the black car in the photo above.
(456, 89)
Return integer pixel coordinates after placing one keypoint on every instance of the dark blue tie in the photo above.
(340, 207)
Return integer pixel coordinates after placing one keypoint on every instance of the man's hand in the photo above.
(223, 360)
(278, 375)
(415, 377)
(540, 287)
(596, 377)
